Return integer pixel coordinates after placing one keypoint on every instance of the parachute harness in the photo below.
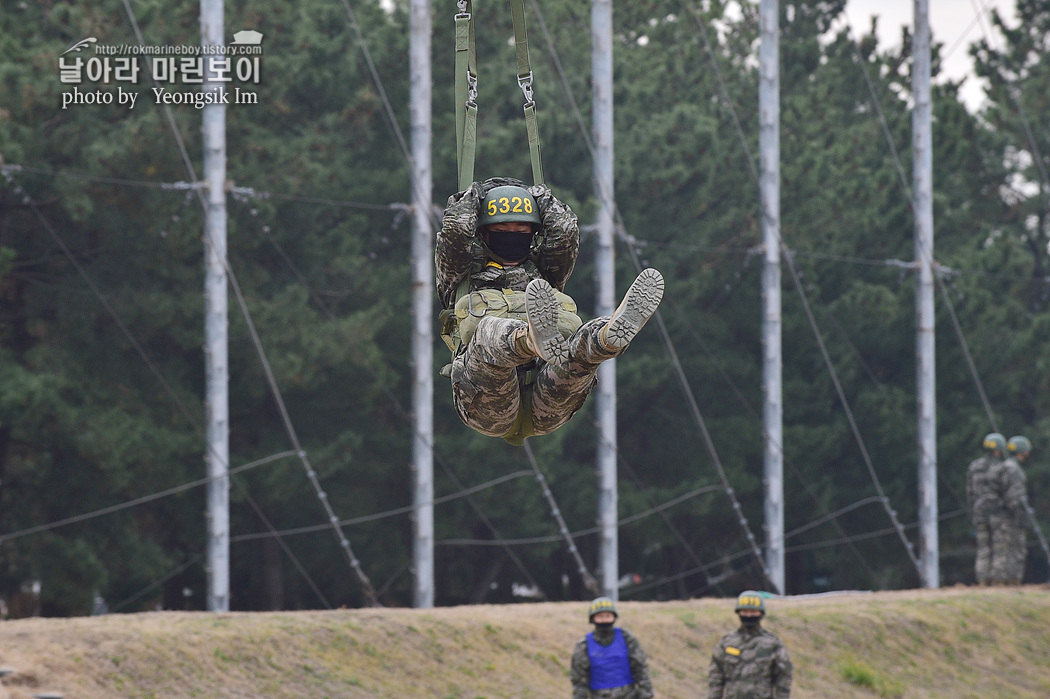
(467, 91)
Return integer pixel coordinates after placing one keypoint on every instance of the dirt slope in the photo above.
(952, 644)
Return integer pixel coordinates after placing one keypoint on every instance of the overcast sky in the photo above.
(952, 22)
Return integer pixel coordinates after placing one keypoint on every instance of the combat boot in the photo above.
(638, 306)
(541, 338)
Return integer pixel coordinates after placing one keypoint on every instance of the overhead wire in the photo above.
(392, 512)
(244, 193)
(396, 403)
(720, 367)
(589, 581)
(801, 547)
(422, 196)
(675, 532)
(29, 202)
(786, 255)
(990, 414)
(1037, 157)
(157, 583)
(921, 250)
(300, 199)
(727, 101)
(551, 538)
(750, 160)
(927, 254)
(138, 501)
(609, 198)
(344, 543)
(733, 112)
(587, 578)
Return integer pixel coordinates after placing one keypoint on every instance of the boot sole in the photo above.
(637, 307)
(541, 309)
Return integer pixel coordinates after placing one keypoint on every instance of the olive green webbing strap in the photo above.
(521, 46)
(466, 94)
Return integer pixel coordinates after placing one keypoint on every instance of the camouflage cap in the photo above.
(601, 604)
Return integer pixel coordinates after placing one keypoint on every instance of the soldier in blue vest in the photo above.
(609, 662)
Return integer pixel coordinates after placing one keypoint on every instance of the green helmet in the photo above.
(750, 599)
(601, 604)
(509, 203)
(994, 442)
(1019, 445)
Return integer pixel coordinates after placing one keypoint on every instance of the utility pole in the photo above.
(216, 325)
(772, 363)
(926, 390)
(422, 305)
(604, 269)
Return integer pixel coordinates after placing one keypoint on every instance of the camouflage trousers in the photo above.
(983, 562)
(490, 383)
(1007, 550)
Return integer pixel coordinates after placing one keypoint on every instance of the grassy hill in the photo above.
(954, 644)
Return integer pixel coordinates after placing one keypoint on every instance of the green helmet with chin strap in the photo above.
(601, 604)
(994, 442)
(509, 203)
(750, 599)
(1019, 445)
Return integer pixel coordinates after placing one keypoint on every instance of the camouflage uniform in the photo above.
(580, 672)
(981, 499)
(1008, 521)
(492, 385)
(749, 664)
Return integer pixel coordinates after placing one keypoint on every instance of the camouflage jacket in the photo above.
(1011, 489)
(459, 251)
(749, 665)
(580, 671)
(980, 489)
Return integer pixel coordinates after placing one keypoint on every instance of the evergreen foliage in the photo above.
(101, 281)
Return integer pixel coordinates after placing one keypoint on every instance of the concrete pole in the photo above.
(216, 325)
(922, 147)
(604, 269)
(772, 365)
(422, 304)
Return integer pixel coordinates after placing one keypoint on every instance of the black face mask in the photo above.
(604, 627)
(751, 622)
(512, 247)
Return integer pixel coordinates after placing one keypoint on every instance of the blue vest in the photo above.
(610, 665)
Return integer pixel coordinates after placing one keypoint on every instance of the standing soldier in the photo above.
(1010, 518)
(750, 663)
(981, 499)
(609, 663)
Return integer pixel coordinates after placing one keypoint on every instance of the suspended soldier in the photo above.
(609, 663)
(1009, 518)
(750, 663)
(523, 362)
(982, 500)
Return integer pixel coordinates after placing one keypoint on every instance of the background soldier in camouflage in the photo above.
(749, 663)
(523, 362)
(609, 663)
(1009, 517)
(981, 499)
